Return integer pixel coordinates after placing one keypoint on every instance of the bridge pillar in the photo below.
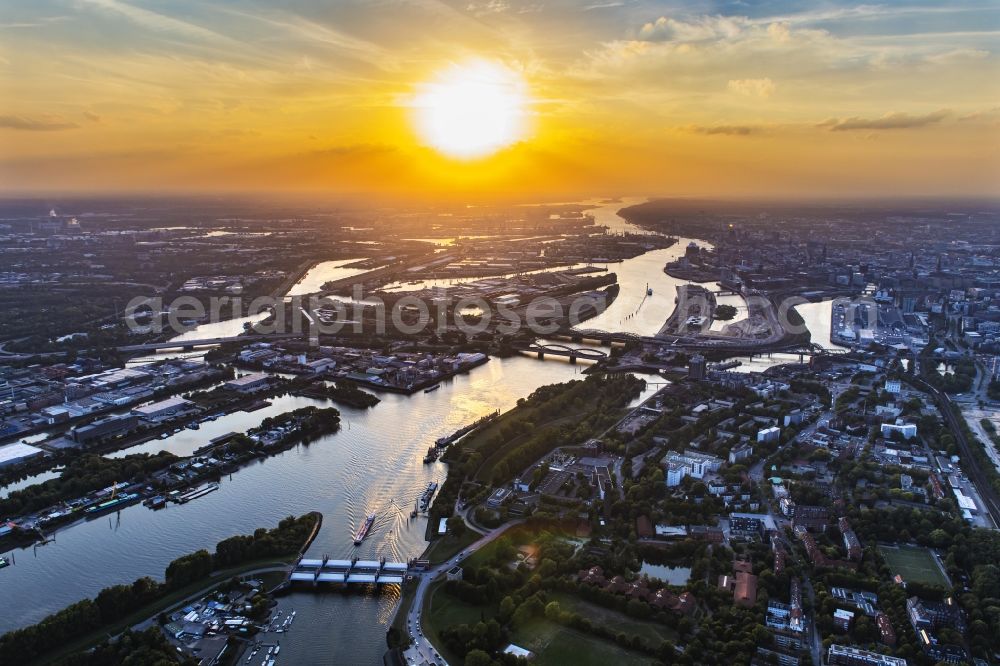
(572, 358)
(541, 355)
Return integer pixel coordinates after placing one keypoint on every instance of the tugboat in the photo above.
(364, 529)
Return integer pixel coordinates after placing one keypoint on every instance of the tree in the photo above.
(478, 658)
(456, 526)
(507, 608)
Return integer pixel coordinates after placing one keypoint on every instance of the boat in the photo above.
(196, 493)
(111, 504)
(431, 455)
(432, 388)
(649, 291)
(157, 502)
(193, 426)
(4, 562)
(428, 495)
(362, 532)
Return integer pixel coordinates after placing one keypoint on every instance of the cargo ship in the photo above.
(185, 497)
(362, 532)
(111, 504)
(428, 495)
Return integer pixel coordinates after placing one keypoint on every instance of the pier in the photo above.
(349, 572)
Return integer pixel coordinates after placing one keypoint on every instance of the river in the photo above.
(373, 464)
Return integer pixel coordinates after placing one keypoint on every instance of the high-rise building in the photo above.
(697, 367)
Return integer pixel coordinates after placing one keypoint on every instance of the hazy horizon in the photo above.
(709, 99)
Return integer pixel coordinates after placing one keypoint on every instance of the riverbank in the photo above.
(89, 622)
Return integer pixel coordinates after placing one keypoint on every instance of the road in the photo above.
(421, 651)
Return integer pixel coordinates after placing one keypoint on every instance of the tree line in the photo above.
(112, 604)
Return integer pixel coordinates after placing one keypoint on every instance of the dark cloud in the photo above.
(35, 124)
(886, 122)
(731, 130)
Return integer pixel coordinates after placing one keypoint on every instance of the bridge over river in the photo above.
(349, 572)
(573, 353)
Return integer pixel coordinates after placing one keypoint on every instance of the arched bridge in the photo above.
(572, 353)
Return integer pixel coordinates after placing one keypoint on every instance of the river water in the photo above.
(323, 272)
(373, 464)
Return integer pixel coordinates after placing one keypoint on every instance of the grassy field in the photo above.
(445, 547)
(556, 645)
(653, 633)
(914, 564)
(518, 535)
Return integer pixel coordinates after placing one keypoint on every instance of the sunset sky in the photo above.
(727, 99)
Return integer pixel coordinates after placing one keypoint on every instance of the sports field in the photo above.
(914, 564)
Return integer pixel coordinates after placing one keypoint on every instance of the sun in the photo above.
(471, 110)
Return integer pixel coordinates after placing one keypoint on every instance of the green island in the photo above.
(343, 392)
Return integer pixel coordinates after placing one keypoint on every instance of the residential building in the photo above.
(768, 435)
(697, 367)
(812, 518)
(842, 655)
(906, 430)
